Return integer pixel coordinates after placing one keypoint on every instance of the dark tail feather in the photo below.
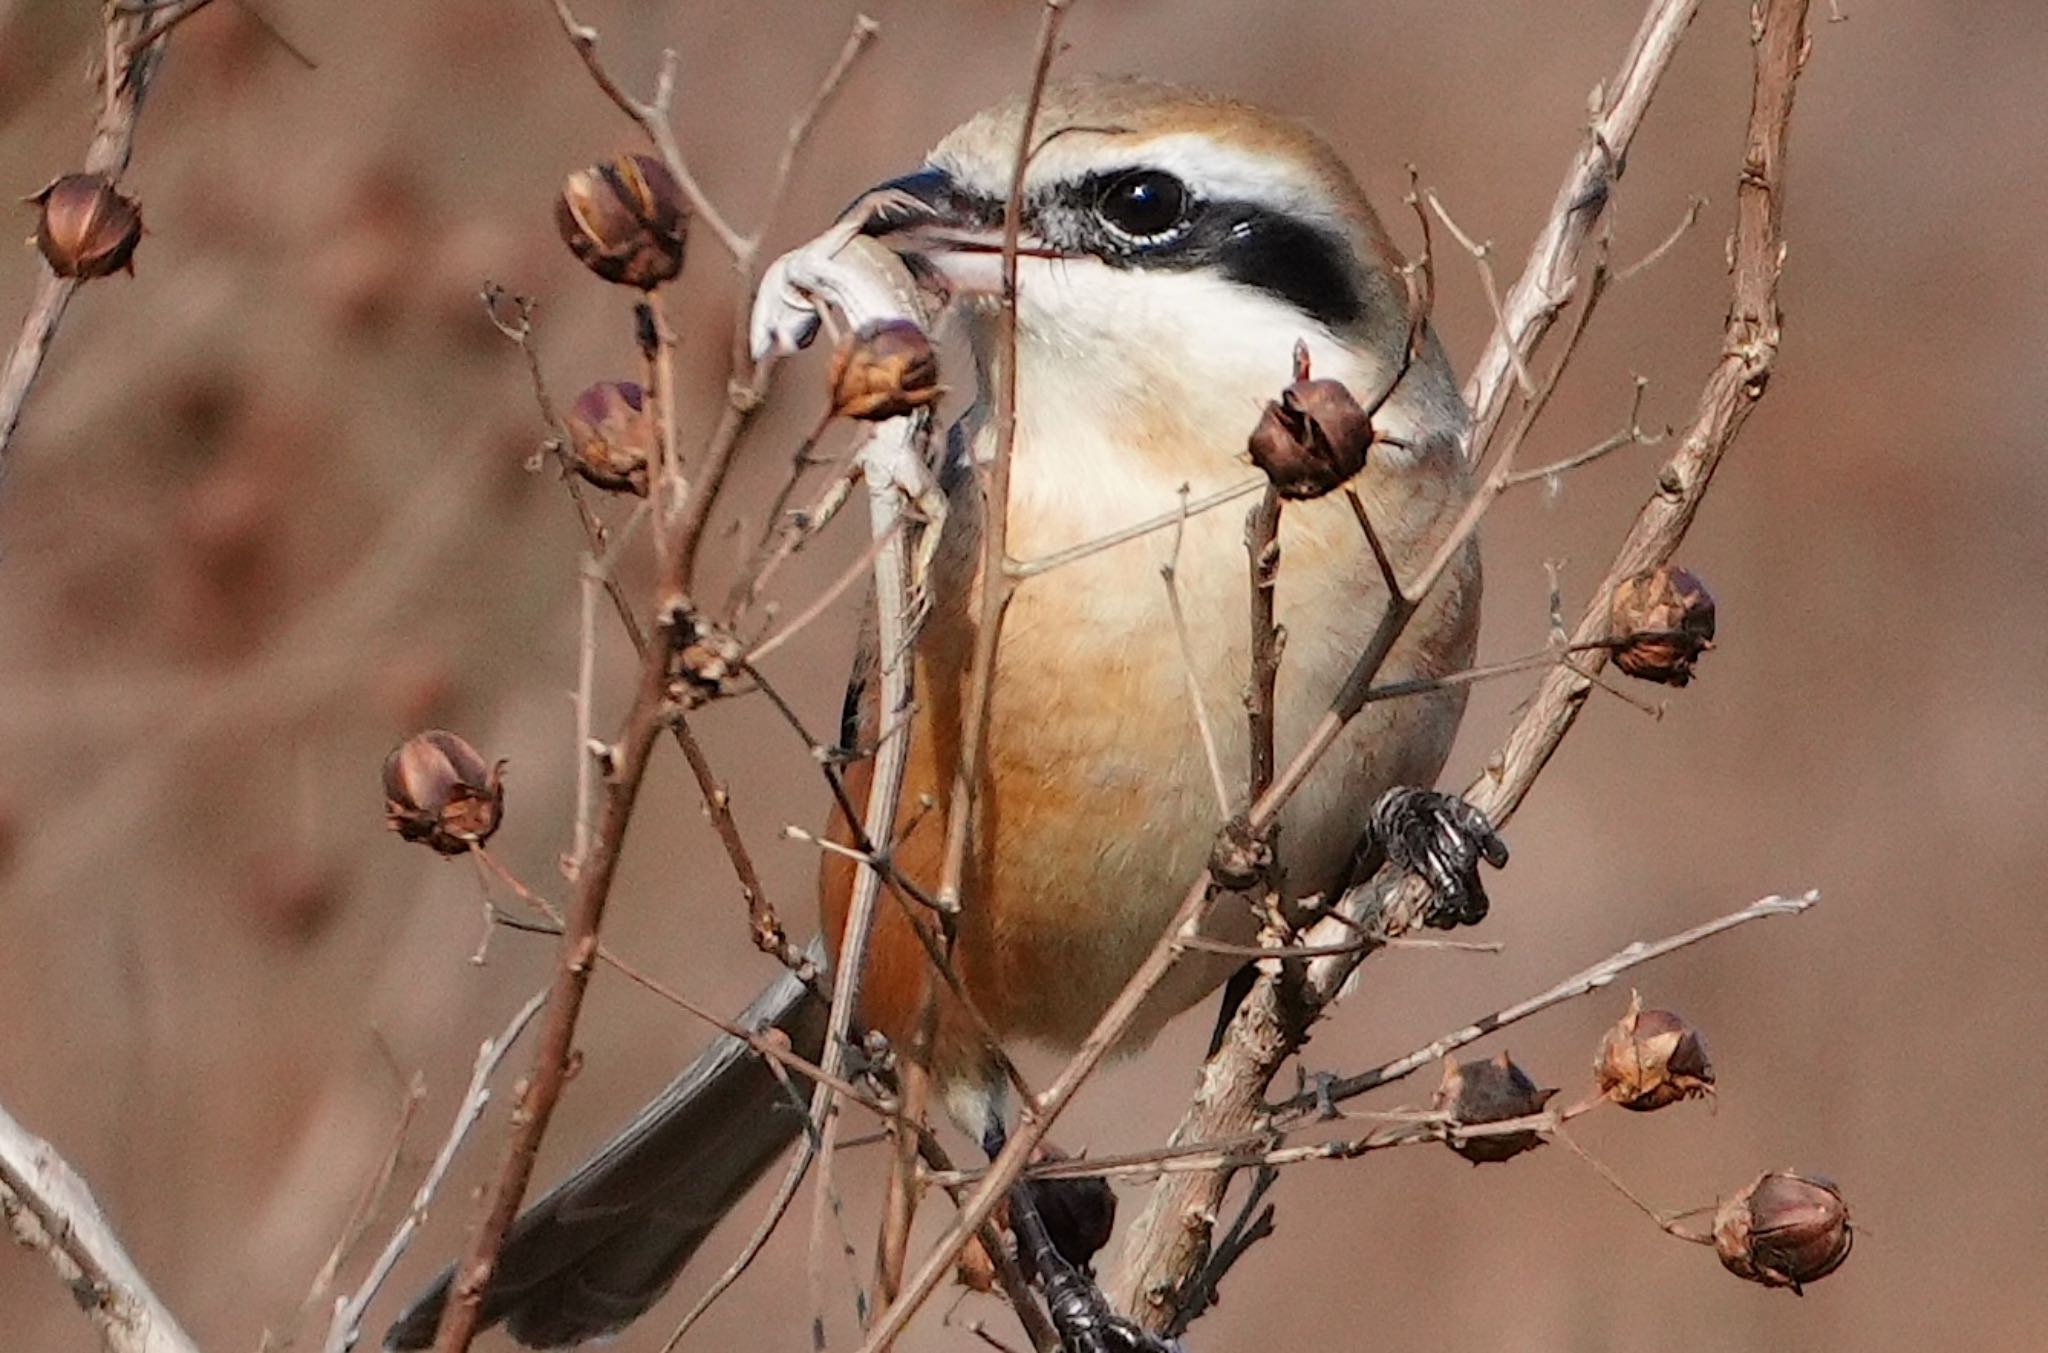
(602, 1247)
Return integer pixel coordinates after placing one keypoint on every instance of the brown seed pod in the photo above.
(1661, 622)
(626, 220)
(612, 437)
(885, 370)
(1314, 438)
(1785, 1230)
(1651, 1059)
(1490, 1090)
(87, 227)
(439, 791)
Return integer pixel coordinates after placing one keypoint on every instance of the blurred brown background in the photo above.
(269, 514)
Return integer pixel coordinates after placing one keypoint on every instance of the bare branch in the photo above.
(998, 583)
(49, 1209)
(1547, 282)
(653, 120)
(128, 68)
(347, 1327)
(1269, 1027)
(1578, 984)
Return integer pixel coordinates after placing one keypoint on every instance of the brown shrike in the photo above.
(1177, 248)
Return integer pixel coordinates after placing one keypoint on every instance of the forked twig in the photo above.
(346, 1329)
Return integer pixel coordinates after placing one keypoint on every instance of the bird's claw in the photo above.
(1441, 839)
(1082, 1317)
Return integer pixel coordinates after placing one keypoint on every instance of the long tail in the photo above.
(602, 1247)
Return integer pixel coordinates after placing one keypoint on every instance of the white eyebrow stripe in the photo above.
(1214, 171)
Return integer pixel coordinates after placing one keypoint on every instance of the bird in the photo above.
(1177, 248)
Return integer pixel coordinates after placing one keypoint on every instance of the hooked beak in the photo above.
(953, 235)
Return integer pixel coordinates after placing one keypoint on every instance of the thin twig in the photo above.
(1194, 684)
(997, 585)
(898, 481)
(128, 69)
(1020, 569)
(543, 1085)
(998, 582)
(763, 923)
(1670, 242)
(800, 128)
(1262, 550)
(818, 605)
(653, 120)
(1578, 984)
(1482, 256)
(347, 1327)
(352, 1232)
(586, 677)
(1269, 1027)
(1551, 274)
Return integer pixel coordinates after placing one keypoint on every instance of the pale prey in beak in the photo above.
(953, 237)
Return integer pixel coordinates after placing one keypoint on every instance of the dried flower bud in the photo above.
(613, 437)
(1651, 1059)
(626, 220)
(1490, 1090)
(439, 791)
(1314, 438)
(1661, 622)
(88, 228)
(1784, 1230)
(887, 369)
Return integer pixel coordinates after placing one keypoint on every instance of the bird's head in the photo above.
(1169, 238)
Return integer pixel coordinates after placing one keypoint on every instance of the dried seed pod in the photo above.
(885, 370)
(612, 436)
(626, 219)
(1651, 1059)
(87, 227)
(1490, 1090)
(1785, 1230)
(439, 791)
(1661, 622)
(1314, 438)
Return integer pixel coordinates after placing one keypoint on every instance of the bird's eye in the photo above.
(1143, 204)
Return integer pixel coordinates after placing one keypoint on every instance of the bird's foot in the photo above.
(1086, 1323)
(1441, 839)
(1081, 1314)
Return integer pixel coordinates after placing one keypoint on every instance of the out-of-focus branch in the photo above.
(1169, 1241)
(127, 68)
(1546, 285)
(346, 1329)
(49, 1209)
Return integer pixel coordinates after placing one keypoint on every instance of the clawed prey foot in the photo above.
(1081, 1314)
(1441, 839)
(1059, 1225)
